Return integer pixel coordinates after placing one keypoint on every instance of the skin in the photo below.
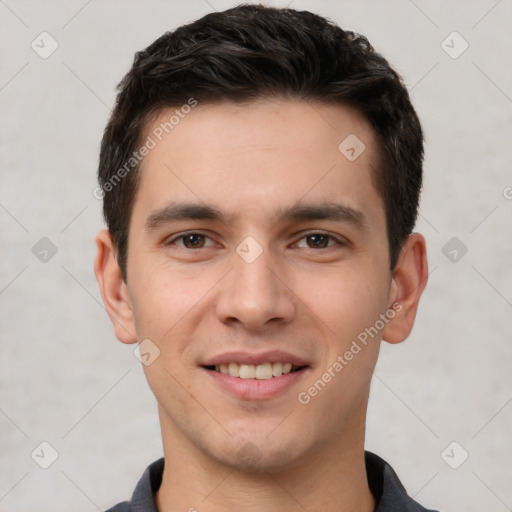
(252, 162)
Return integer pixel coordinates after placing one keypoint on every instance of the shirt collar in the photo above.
(387, 489)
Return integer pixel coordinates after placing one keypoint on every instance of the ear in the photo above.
(407, 284)
(114, 290)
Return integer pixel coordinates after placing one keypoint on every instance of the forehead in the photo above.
(255, 158)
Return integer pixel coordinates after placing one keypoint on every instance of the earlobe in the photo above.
(408, 282)
(114, 290)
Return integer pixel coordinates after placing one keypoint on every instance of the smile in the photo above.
(249, 385)
(263, 371)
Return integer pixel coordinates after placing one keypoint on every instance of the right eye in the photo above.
(189, 240)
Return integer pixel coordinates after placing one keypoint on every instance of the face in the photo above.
(255, 240)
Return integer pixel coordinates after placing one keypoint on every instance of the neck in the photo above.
(333, 479)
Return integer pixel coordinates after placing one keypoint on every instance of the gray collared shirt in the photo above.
(387, 489)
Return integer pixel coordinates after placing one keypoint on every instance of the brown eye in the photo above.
(193, 240)
(318, 241)
(189, 240)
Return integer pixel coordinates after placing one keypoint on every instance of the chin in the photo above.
(263, 457)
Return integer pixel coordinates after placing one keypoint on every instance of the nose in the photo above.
(255, 294)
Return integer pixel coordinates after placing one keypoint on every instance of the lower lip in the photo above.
(256, 389)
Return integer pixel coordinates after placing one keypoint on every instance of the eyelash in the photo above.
(338, 241)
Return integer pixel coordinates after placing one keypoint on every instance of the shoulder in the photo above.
(387, 487)
(121, 507)
(143, 496)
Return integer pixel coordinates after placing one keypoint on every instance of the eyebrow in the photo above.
(298, 212)
(325, 211)
(182, 211)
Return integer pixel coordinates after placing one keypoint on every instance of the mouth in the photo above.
(265, 371)
(251, 376)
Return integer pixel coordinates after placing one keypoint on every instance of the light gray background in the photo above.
(67, 381)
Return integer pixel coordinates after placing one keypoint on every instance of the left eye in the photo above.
(319, 240)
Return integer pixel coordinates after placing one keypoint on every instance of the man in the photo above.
(261, 173)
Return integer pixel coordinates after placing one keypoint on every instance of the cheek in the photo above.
(173, 307)
(347, 301)
(350, 304)
(164, 312)
(162, 300)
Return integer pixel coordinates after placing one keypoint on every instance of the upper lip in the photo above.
(273, 356)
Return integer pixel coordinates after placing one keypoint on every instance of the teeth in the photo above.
(247, 371)
(263, 371)
(277, 369)
(234, 369)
